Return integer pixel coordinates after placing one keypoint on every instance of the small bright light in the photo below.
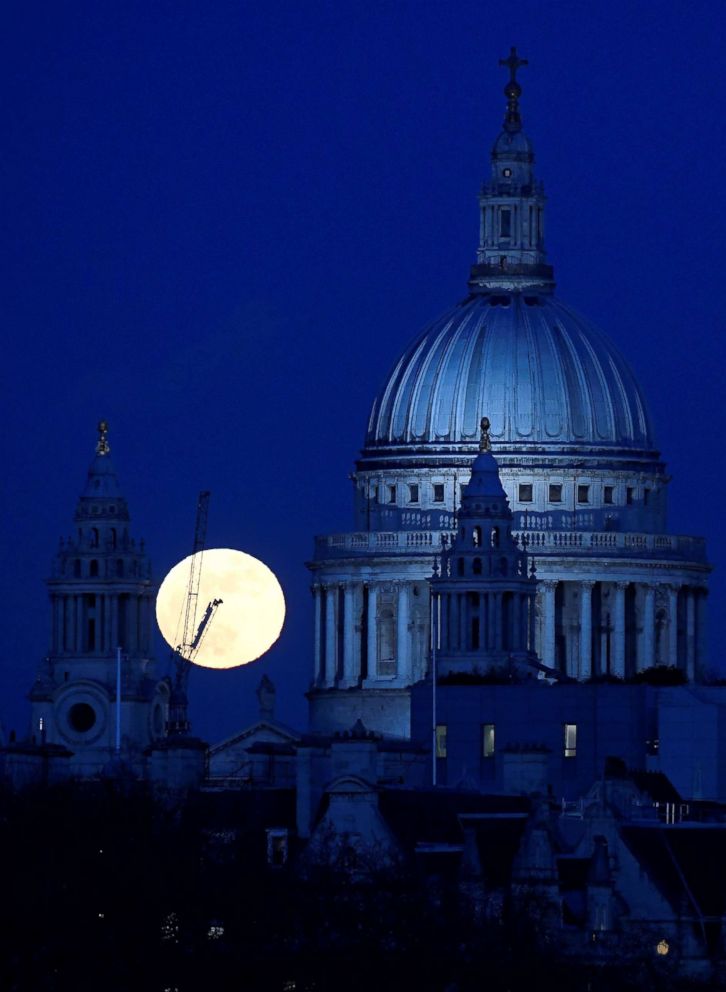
(102, 916)
(662, 947)
(170, 928)
(215, 932)
(247, 622)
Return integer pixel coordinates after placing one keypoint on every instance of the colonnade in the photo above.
(120, 619)
(365, 633)
(504, 621)
(631, 638)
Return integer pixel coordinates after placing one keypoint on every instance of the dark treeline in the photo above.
(103, 889)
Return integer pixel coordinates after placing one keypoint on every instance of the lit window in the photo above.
(506, 173)
(441, 740)
(438, 492)
(629, 495)
(413, 493)
(583, 494)
(570, 740)
(487, 740)
(607, 494)
(525, 492)
(391, 494)
(555, 494)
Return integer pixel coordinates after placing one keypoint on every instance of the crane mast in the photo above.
(192, 634)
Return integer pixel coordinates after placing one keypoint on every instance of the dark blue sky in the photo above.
(224, 221)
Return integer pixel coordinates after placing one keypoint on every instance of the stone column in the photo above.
(351, 666)
(68, 629)
(403, 635)
(462, 621)
(673, 625)
(331, 634)
(548, 651)
(104, 631)
(79, 624)
(499, 622)
(690, 635)
(648, 627)
(701, 630)
(55, 625)
(618, 650)
(317, 642)
(585, 667)
(113, 622)
(454, 626)
(515, 623)
(372, 631)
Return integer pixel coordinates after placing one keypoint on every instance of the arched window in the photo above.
(120, 566)
(460, 566)
(94, 537)
(503, 566)
(112, 538)
(477, 566)
(93, 571)
(477, 537)
(494, 537)
(77, 568)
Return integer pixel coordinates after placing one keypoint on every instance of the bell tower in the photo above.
(102, 600)
(484, 593)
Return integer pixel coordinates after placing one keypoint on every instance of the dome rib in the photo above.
(539, 371)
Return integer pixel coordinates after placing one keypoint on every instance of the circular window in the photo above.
(81, 717)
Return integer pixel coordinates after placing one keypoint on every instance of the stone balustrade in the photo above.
(592, 543)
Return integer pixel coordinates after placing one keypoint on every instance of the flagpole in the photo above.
(435, 619)
(118, 701)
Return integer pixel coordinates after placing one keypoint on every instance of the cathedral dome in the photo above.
(543, 374)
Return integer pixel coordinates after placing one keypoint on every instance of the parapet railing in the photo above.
(604, 543)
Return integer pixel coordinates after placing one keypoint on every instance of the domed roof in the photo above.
(510, 144)
(543, 375)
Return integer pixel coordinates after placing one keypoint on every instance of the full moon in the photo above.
(247, 622)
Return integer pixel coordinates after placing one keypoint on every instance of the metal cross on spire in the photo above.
(513, 91)
(513, 62)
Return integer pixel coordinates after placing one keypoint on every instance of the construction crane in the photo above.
(192, 635)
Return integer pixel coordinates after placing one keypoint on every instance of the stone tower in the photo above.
(484, 593)
(102, 599)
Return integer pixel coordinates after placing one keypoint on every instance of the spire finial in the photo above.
(102, 445)
(513, 91)
(485, 444)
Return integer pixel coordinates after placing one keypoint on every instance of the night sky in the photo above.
(223, 222)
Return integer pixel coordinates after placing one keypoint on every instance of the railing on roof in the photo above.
(539, 542)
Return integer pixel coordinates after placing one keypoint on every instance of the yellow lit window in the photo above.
(441, 740)
(570, 740)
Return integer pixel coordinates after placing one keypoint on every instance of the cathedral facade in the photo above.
(574, 444)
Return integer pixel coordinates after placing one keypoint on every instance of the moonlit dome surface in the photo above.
(542, 374)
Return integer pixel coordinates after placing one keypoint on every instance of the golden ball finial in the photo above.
(102, 445)
(485, 444)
